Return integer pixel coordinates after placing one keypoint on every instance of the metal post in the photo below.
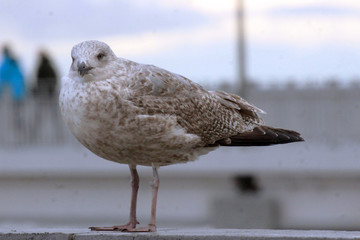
(240, 19)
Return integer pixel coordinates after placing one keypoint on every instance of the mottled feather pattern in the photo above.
(141, 114)
(198, 111)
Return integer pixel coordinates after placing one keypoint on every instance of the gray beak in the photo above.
(83, 69)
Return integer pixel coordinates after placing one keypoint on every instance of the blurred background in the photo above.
(297, 60)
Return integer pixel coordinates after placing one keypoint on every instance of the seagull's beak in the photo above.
(83, 69)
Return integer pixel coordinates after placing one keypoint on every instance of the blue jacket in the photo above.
(10, 75)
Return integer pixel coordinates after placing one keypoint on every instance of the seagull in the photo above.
(138, 114)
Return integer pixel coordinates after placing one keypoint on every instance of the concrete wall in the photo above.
(53, 181)
(322, 114)
(179, 234)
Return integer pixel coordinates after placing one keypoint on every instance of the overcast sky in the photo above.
(298, 39)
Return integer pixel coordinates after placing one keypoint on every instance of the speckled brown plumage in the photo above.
(139, 114)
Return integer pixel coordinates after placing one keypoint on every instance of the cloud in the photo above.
(263, 6)
(303, 23)
(150, 43)
(51, 20)
(212, 7)
(153, 29)
(317, 10)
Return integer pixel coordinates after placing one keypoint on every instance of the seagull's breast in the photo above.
(90, 108)
(102, 118)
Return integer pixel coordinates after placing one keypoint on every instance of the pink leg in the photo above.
(155, 187)
(135, 187)
(132, 220)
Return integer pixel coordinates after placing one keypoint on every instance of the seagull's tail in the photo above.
(263, 136)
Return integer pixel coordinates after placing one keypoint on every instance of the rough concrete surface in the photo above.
(188, 234)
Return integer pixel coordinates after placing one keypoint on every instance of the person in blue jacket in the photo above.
(11, 76)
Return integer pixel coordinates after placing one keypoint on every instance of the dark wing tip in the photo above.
(263, 136)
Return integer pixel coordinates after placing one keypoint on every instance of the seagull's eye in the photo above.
(100, 56)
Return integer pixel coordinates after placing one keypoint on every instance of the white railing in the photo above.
(34, 121)
(320, 114)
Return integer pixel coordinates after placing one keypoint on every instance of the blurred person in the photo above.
(45, 94)
(46, 79)
(11, 77)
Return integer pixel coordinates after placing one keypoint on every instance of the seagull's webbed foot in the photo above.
(148, 228)
(126, 228)
(120, 228)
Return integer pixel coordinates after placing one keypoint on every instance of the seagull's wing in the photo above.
(213, 115)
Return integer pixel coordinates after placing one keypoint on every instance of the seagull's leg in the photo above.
(132, 221)
(155, 187)
(134, 193)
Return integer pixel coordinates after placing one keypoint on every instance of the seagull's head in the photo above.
(90, 58)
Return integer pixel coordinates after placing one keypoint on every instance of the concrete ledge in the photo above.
(179, 234)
